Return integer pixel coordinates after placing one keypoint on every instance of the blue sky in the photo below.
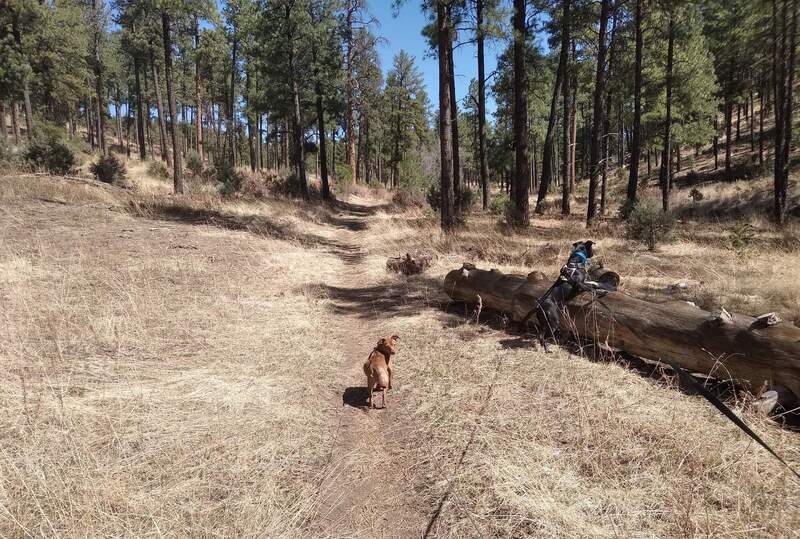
(404, 33)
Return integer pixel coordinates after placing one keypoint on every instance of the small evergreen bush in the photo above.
(108, 169)
(158, 169)
(51, 155)
(649, 223)
(193, 163)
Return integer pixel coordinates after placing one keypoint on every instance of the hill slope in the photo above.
(192, 366)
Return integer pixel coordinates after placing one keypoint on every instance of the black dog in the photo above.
(572, 281)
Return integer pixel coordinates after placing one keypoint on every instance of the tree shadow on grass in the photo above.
(258, 225)
(391, 299)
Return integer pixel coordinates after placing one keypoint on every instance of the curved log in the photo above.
(724, 345)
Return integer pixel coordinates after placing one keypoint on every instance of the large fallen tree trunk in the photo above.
(754, 351)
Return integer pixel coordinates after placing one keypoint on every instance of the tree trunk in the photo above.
(665, 155)
(786, 104)
(484, 167)
(118, 115)
(177, 177)
(297, 117)
(445, 117)
(162, 127)
(90, 125)
(26, 98)
(596, 160)
(573, 126)
(98, 77)
(359, 143)
(636, 142)
(547, 149)
(694, 338)
(251, 142)
(15, 122)
(761, 126)
(716, 141)
(751, 121)
(3, 132)
(457, 197)
(139, 113)
(728, 141)
(367, 152)
(146, 117)
(198, 92)
(607, 116)
(323, 154)
(350, 90)
(26, 91)
(232, 99)
(521, 217)
(128, 124)
(738, 121)
(566, 130)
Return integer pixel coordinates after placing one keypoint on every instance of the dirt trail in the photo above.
(364, 492)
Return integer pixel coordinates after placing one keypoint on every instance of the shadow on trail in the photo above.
(258, 225)
(356, 397)
(395, 298)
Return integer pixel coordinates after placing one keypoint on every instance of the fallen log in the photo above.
(723, 345)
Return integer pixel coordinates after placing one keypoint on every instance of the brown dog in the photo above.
(378, 367)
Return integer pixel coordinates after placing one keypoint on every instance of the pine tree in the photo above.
(520, 185)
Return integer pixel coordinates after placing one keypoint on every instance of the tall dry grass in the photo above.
(515, 443)
(174, 366)
(150, 372)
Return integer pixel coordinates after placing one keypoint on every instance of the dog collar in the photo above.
(582, 255)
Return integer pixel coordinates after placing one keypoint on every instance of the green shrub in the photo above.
(51, 155)
(8, 152)
(741, 236)
(468, 199)
(648, 223)
(289, 186)
(498, 204)
(194, 163)
(108, 169)
(696, 195)
(407, 199)
(158, 169)
(226, 174)
(434, 197)
(344, 174)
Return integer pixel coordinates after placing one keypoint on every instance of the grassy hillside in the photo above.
(191, 366)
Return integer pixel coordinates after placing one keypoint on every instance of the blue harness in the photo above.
(570, 268)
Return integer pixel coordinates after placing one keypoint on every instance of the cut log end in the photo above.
(766, 320)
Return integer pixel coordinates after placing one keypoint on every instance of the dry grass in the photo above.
(703, 252)
(524, 444)
(149, 383)
(149, 361)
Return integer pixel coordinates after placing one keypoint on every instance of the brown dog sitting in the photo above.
(378, 367)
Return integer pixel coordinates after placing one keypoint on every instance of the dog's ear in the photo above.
(576, 244)
(395, 338)
(589, 243)
(381, 342)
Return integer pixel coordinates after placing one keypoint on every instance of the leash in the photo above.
(727, 412)
(540, 299)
